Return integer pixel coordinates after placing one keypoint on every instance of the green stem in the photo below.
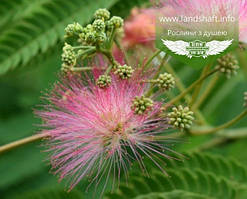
(212, 143)
(108, 70)
(176, 99)
(110, 57)
(181, 88)
(164, 60)
(111, 38)
(179, 84)
(79, 69)
(242, 61)
(83, 47)
(206, 93)
(123, 51)
(21, 142)
(174, 135)
(88, 51)
(151, 59)
(150, 91)
(199, 86)
(226, 125)
(233, 133)
(224, 136)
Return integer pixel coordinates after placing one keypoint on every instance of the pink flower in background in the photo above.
(243, 21)
(90, 129)
(140, 27)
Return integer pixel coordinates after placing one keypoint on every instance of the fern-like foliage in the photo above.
(52, 194)
(201, 176)
(42, 28)
(30, 27)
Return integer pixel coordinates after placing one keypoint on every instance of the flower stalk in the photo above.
(126, 59)
(199, 86)
(224, 136)
(193, 85)
(150, 91)
(21, 142)
(80, 69)
(181, 88)
(226, 125)
(151, 59)
(206, 93)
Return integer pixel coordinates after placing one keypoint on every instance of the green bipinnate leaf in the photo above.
(31, 28)
(52, 194)
(199, 176)
(41, 28)
(173, 195)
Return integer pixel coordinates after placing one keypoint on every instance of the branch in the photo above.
(21, 142)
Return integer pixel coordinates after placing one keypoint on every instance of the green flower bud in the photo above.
(180, 117)
(90, 37)
(228, 65)
(99, 25)
(124, 72)
(141, 105)
(65, 68)
(82, 36)
(103, 81)
(73, 29)
(115, 22)
(85, 32)
(68, 55)
(100, 37)
(165, 81)
(89, 27)
(102, 13)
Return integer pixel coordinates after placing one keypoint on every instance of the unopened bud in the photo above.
(141, 105)
(115, 22)
(102, 13)
(228, 65)
(73, 29)
(103, 81)
(181, 117)
(68, 55)
(165, 81)
(124, 72)
(99, 25)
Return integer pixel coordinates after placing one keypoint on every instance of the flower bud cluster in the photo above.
(141, 105)
(165, 81)
(68, 56)
(124, 72)
(102, 14)
(114, 23)
(97, 32)
(73, 29)
(228, 65)
(181, 117)
(96, 36)
(103, 81)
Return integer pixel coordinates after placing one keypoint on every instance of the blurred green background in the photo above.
(31, 34)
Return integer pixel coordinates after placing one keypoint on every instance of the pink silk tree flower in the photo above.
(94, 132)
(243, 21)
(140, 27)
